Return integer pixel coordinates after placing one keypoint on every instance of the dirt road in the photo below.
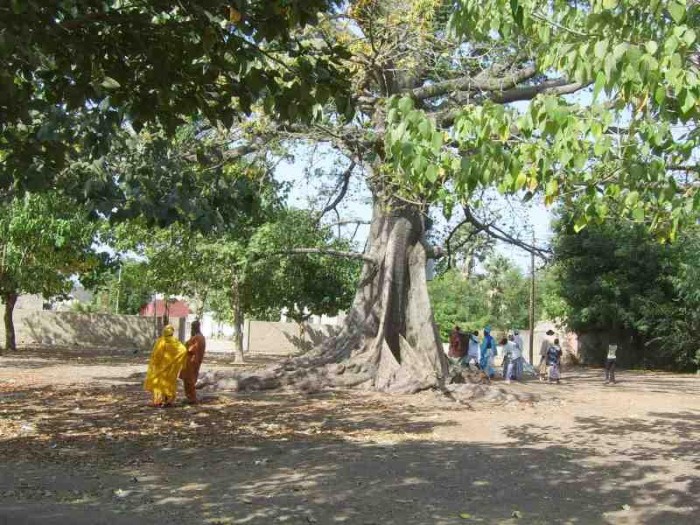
(79, 445)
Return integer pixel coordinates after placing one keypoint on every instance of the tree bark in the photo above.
(237, 321)
(394, 340)
(389, 341)
(10, 299)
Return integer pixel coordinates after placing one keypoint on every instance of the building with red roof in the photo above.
(174, 308)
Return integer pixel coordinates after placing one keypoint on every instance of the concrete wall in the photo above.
(29, 302)
(128, 332)
(284, 338)
(86, 330)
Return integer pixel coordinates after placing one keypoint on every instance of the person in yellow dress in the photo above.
(167, 359)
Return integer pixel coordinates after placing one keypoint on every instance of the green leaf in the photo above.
(638, 214)
(518, 12)
(609, 66)
(610, 4)
(689, 101)
(599, 84)
(110, 83)
(431, 173)
(600, 49)
(689, 37)
(677, 11)
(552, 188)
(465, 515)
(660, 95)
(425, 129)
(651, 47)
(436, 142)
(405, 105)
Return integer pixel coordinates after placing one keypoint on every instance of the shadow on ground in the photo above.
(101, 455)
(41, 357)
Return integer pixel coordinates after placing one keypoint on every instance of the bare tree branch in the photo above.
(346, 222)
(344, 184)
(242, 151)
(323, 251)
(558, 86)
(684, 167)
(481, 82)
(448, 241)
(497, 233)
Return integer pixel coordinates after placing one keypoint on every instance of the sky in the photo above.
(305, 189)
(536, 218)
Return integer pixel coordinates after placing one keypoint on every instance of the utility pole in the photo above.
(119, 286)
(532, 302)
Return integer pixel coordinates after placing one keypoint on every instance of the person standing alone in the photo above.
(610, 363)
(544, 348)
(196, 346)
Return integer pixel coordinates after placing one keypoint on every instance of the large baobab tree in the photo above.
(453, 97)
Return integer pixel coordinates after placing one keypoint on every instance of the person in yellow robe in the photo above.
(167, 359)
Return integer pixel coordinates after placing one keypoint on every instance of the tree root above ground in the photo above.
(465, 388)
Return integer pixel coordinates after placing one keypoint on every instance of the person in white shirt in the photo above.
(517, 356)
(518, 340)
(474, 348)
(544, 347)
(610, 363)
(511, 354)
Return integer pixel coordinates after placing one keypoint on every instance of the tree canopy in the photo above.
(499, 295)
(74, 73)
(616, 278)
(44, 241)
(628, 144)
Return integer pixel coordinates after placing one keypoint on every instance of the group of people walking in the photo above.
(468, 350)
(171, 359)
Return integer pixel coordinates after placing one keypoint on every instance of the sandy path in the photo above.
(584, 453)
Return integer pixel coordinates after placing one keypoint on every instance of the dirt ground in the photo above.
(80, 445)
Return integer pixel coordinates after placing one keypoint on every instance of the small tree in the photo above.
(268, 272)
(44, 241)
(457, 300)
(125, 290)
(315, 280)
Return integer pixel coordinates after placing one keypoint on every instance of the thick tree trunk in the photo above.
(389, 341)
(237, 321)
(10, 300)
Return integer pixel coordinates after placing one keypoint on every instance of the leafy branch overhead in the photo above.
(629, 141)
(591, 103)
(72, 73)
